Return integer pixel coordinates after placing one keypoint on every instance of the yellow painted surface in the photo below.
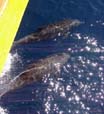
(11, 12)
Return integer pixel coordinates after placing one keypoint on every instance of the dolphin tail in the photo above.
(26, 39)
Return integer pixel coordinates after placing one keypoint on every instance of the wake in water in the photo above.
(6, 76)
(3, 111)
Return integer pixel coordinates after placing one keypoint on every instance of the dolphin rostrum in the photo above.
(36, 71)
(60, 28)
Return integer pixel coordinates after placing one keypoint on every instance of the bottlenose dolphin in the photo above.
(36, 71)
(60, 28)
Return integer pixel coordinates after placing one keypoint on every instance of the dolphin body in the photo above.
(60, 28)
(36, 71)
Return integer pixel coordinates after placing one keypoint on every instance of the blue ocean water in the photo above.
(80, 88)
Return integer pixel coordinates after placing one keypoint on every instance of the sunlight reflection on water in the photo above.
(83, 80)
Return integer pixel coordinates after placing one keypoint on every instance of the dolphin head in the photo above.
(67, 24)
(76, 22)
(60, 58)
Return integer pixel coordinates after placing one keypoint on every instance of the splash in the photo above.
(9, 63)
(3, 111)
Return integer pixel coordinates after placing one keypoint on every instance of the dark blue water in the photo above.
(80, 88)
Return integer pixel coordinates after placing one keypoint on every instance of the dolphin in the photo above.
(36, 71)
(50, 31)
